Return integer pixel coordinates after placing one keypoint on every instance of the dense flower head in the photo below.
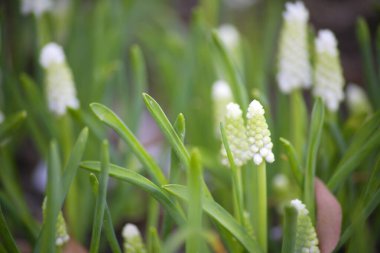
(229, 36)
(60, 87)
(132, 239)
(294, 69)
(221, 96)
(306, 237)
(236, 135)
(260, 144)
(37, 7)
(357, 99)
(329, 80)
(61, 231)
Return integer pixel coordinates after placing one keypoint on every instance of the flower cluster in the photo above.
(328, 71)
(357, 100)
(306, 237)
(251, 141)
(294, 66)
(294, 69)
(60, 88)
(37, 7)
(61, 231)
(221, 96)
(132, 239)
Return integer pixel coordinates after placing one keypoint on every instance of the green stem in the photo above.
(297, 120)
(237, 189)
(261, 206)
(290, 229)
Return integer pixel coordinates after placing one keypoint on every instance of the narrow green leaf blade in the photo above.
(101, 200)
(316, 125)
(290, 230)
(107, 116)
(293, 160)
(167, 128)
(220, 215)
(142, 182)
(6, 236)
(10, 124)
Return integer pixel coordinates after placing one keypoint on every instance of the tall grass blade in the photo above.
(6, 236)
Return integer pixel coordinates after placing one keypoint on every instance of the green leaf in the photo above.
(48, 233)
(293, 160)
(10, 124)
(167, 128)
(221, 217)
(154, 244)
(364, 141)
(107, 116)
(363, 35)
(233, 76)
(100, 200)
(290, 230)
(315, 132)
(142, 182)
(194, 210)
(6, 236)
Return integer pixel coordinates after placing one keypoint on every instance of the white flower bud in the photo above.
(221, 96)
(236, 135)
(328, 71)
(60, 88)
(37, 7)
(357, 100)
(259, 140)
(132, 239)
(229, 36)
(293, 63)
(306, 237)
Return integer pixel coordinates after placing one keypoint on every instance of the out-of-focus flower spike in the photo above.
(236, 136)
(294, 69)
(1, 117)
(329, 80)
(37, 7)
(61, 231)
(357, 100)
(221, 96)
(306, 237)
(260, 144)
(229, 36)
(60, 88)
(133, 242)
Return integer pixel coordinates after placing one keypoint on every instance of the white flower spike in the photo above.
(329, 80)
(306, 237)
(60, 88)
(294, 69)
(357, 100)
(37, 7)
(132, 239)
(260, 144)
(229, 36)
(221, 96)
(236, 136)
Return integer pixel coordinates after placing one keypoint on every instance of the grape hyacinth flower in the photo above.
(61, 231)
(37, 7)
(306, 237)
(294, 69)
(357, 100)
(236, 136)
(229, 36)
(221, 96)
(260, 144)
(328, 71)
(60, 88)
(132, 239)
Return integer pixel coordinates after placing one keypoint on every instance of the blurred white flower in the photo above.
(221, 96)
(132, 239)
(37, 7)
(329, 80)
(260, 144)
(306, 237)
(357, 99)
(60, 88)
(236, 136)
(280, 182)
(294, 69)
(229, 35)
